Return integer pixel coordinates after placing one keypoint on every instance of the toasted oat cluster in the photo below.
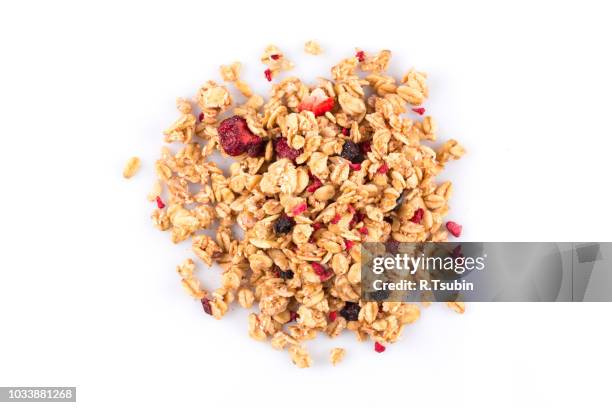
(317, 169)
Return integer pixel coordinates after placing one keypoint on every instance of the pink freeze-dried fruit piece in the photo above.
(360, 55)
(454, 228)
(332, 316)
(236, 138)
(268, 74)
(317, 102)
(283, 150)
(419, 110)
(160, 203)
(418, 216)
(379, 348)
(320, 270)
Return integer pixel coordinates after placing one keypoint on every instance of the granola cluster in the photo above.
(317, 170)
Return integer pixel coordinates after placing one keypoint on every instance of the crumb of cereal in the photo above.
(131, 167)
(312, 47)
(336, 355)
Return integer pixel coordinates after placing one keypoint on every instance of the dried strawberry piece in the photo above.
(316, 226)
(268, 74)
(419, 110)
(275, 56)
(350, 209)
(283, 150)
(454, 228)
(298, 209)
(336, 219)
(332, 316)
(314, 185)
(346, 131)
(160, 203)
(357, 218)
(355, 166)
(379, 348)
(236, 138)
(317, 102)
(360, 55)
(349, 244)
(206, 306)
(364, 230)
(383, 169)
(418, 215)
(323, 273)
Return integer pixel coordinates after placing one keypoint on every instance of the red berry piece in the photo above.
(420, 111)
(317, 102)
(346, 131)
(383, 169)
(275, 56)
(379, 348)
(366, 147)
(418, 216)
(364, 230)
(283, 150)
(336, 219)
(454, 228)
(201, 117)
(349, 244)
(360, 55)
(298, 209)
(320, 270)
(236, 138)
(355, 166)
(292, 316)
(268, 74)
(333, 315)
(160, 203)
(314, 184)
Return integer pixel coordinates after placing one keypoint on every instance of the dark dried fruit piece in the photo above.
(206, 306)
(283, 224)
(236, 138)
(283, 150)
(350, 311)
(366, 147)
(288, 274)
(399, 201)
(351, 152)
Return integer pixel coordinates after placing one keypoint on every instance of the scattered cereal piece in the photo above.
(336, 355)
(458, 307)
(312, 47)
(230, 73)
(131, 167)
(300, 356)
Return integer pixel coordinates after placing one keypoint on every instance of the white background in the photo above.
(89, 295)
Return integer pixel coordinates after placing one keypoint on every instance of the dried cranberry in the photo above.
(383, 169)
(420, 111)
(418, 216)
(379, 348)
(316, 226)
(454, 228)
(360, 55)
(346, 131)
(201, 116)
(160, 203)
(283, 150)
(355, 166)
(283, 224)
(350, 311)
(351, 152)
(268, 74)
(275, 56)
(364, 230)
(236, 138)
(336, 219)
(206, 306)
(333, 315)
(366, 147)
(320, 270)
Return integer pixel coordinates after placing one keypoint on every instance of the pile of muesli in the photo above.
(317, 170)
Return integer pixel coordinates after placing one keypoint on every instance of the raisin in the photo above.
(350, 311)
(351, 152)
(283, 224)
